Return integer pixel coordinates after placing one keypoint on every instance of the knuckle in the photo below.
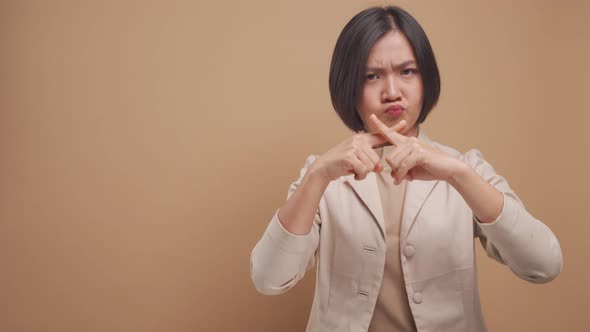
(351, 152)
(346, 164)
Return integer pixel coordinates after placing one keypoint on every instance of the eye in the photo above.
(371, 77)
(409, 71)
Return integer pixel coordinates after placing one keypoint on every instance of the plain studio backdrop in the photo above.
(145, 146)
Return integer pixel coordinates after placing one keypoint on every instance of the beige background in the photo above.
(145, 145)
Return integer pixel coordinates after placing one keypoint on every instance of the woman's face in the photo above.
(393, 86)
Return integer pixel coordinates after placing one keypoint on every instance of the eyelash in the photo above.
(411, 70)
(408, 71)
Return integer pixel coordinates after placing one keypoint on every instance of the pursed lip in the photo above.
(394, 108)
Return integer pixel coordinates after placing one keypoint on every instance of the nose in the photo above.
(391, 91)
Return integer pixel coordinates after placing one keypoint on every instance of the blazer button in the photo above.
(409, 251)
(417, 297)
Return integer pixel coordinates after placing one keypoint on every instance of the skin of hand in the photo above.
(355, 155)
(413, 159)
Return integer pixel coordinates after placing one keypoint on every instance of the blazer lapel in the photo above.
(368, 193)
(416, 194)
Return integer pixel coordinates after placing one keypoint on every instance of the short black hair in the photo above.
(349, 61)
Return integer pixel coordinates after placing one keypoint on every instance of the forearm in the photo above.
(297, 214)
(507, 231)
(484, 200)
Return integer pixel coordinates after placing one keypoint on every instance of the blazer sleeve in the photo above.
(516, 238)
(280, 259)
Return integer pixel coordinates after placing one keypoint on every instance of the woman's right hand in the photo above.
(353, 156)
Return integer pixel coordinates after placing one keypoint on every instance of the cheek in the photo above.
(366, 94)
(370, 97)
(414, 95)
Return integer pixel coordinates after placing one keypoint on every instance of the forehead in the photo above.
(392, 48)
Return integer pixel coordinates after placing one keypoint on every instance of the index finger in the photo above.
(377, 140)
(391, 134)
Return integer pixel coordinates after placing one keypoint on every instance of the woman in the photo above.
(389, 215)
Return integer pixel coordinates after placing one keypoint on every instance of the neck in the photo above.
(413, 132)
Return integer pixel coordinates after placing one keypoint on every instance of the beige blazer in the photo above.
(436, 246)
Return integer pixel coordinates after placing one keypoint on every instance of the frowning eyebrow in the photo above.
(398, 66)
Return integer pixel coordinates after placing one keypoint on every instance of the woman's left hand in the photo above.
(413, 159)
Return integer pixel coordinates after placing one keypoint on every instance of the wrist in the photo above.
(461, 172)
(317, 175)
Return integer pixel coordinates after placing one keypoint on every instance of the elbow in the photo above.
(546, 272)
(542, 277)
(552, 270)
(264, 287)
(263, 284)
(554, 266)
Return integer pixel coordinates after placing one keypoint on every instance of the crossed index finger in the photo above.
(378, 140)
(391, 134)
